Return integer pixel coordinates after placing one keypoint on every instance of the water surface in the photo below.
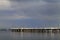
(29, 36)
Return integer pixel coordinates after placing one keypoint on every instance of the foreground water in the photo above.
(29, 36)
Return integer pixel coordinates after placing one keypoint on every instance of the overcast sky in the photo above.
(29, 13)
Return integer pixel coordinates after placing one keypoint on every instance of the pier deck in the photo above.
(40, 30)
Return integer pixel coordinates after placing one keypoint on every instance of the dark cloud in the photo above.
(6, 13)
(38, 10)
(24, 0)
(33, 9)
(52, 1)
(44, 10)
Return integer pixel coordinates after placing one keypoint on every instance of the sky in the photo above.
(29, 13)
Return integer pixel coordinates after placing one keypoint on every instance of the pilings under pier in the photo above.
(35, 30)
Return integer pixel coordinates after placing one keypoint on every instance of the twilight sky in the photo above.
(29, 13)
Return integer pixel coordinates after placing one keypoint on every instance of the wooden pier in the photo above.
(40, 30)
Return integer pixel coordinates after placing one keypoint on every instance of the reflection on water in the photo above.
(29, 36)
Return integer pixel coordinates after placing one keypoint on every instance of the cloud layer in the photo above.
(41, 9)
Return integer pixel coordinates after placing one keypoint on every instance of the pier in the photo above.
(40, 30)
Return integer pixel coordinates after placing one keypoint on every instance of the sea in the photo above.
(6, 35)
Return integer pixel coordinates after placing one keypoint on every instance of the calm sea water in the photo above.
(29, 36)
